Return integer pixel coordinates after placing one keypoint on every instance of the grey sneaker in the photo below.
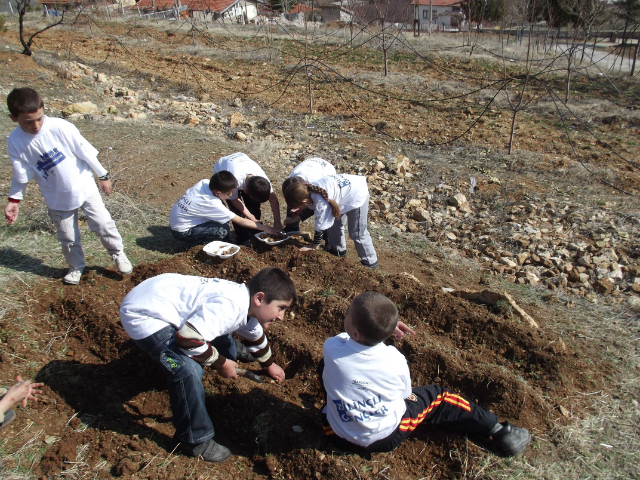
(511, 440)
(73, 276)
(122, 263)
(209, 451)
(370, 266)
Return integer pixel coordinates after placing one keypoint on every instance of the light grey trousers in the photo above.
(99, 221)
(356, 220)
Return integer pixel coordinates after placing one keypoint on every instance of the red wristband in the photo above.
(14, 200)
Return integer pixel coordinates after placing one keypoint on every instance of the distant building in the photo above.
(446, 13)
(335, 12)
(241, 10)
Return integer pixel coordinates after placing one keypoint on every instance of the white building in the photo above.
(445, 13)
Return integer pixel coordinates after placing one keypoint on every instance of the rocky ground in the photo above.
(465, 216)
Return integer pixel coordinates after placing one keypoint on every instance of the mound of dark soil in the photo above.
(123, 417)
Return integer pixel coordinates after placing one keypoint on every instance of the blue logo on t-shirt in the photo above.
(349, 412)
(49, 160)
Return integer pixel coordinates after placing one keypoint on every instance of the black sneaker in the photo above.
(338, 253)
(209, 451)
(243, 353)
(371, 266)
(511, 440)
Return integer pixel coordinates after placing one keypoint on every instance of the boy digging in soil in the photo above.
(54, 153)
(254, 188)
(369, 402)
(185, 323)
(200, 216)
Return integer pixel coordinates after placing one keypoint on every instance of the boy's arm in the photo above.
(245, 222)
(19, 180)
(199, 350)
(241, 206)
(275, 208)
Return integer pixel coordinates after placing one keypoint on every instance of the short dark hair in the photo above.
(24, 100)
(374, 316)
(289, 181)
(274, 283)
(223, 181)
(258, 188)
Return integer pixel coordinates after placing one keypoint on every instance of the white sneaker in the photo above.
(73, 276)
(122, 263)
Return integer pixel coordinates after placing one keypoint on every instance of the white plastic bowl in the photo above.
(215, 249)
(262, 236)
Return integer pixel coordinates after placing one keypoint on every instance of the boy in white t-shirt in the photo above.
(254, 188)
(185, 323)
(62, 162)
(308, 171)
(369, 401)
(200, 216)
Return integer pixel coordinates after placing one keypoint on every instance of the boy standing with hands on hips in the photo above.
(62, 162)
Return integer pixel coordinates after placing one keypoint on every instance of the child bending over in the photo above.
(335, 200)
(254, 188)
(185, 323)
(310, 170)
(369, 402)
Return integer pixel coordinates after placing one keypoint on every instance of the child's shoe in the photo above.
(512, 440)
(209, 451)
(122, 263)
(73, 276)
(370, 266)
(9, 417)
(242, 353)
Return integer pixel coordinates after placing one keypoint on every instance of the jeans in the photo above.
(203, 233)
(184, 383)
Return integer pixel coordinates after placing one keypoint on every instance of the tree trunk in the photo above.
(513, 130)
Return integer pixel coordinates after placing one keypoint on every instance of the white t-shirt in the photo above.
(348, 191)
(366, 387)
(198, 205)
(241, 166)
(59, 159)
(313, 169)
(214, 307)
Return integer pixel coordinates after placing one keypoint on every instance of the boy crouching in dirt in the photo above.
(369, 402)
(200, 216)
(185, 323)
(62, 162)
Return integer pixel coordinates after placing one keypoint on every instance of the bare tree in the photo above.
(22, 11)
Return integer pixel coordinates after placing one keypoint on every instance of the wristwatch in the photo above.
(106, 176)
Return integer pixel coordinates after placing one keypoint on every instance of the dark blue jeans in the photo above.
(204, 233)
(184, 383)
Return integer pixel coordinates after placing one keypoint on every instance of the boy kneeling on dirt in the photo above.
(185, 323)
(369, 402)
(200, 216)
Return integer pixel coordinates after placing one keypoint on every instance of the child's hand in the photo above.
(23, 391)
(228, 369)
(272, 230)
(105, 186)
(309, 249)
(275, 372)
(401, 330)
(294, 219)
(11, 212)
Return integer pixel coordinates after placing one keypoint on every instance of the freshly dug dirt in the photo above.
(122, 423)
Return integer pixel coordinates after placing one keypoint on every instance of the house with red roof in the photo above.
(241, 10)
(444, 13)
